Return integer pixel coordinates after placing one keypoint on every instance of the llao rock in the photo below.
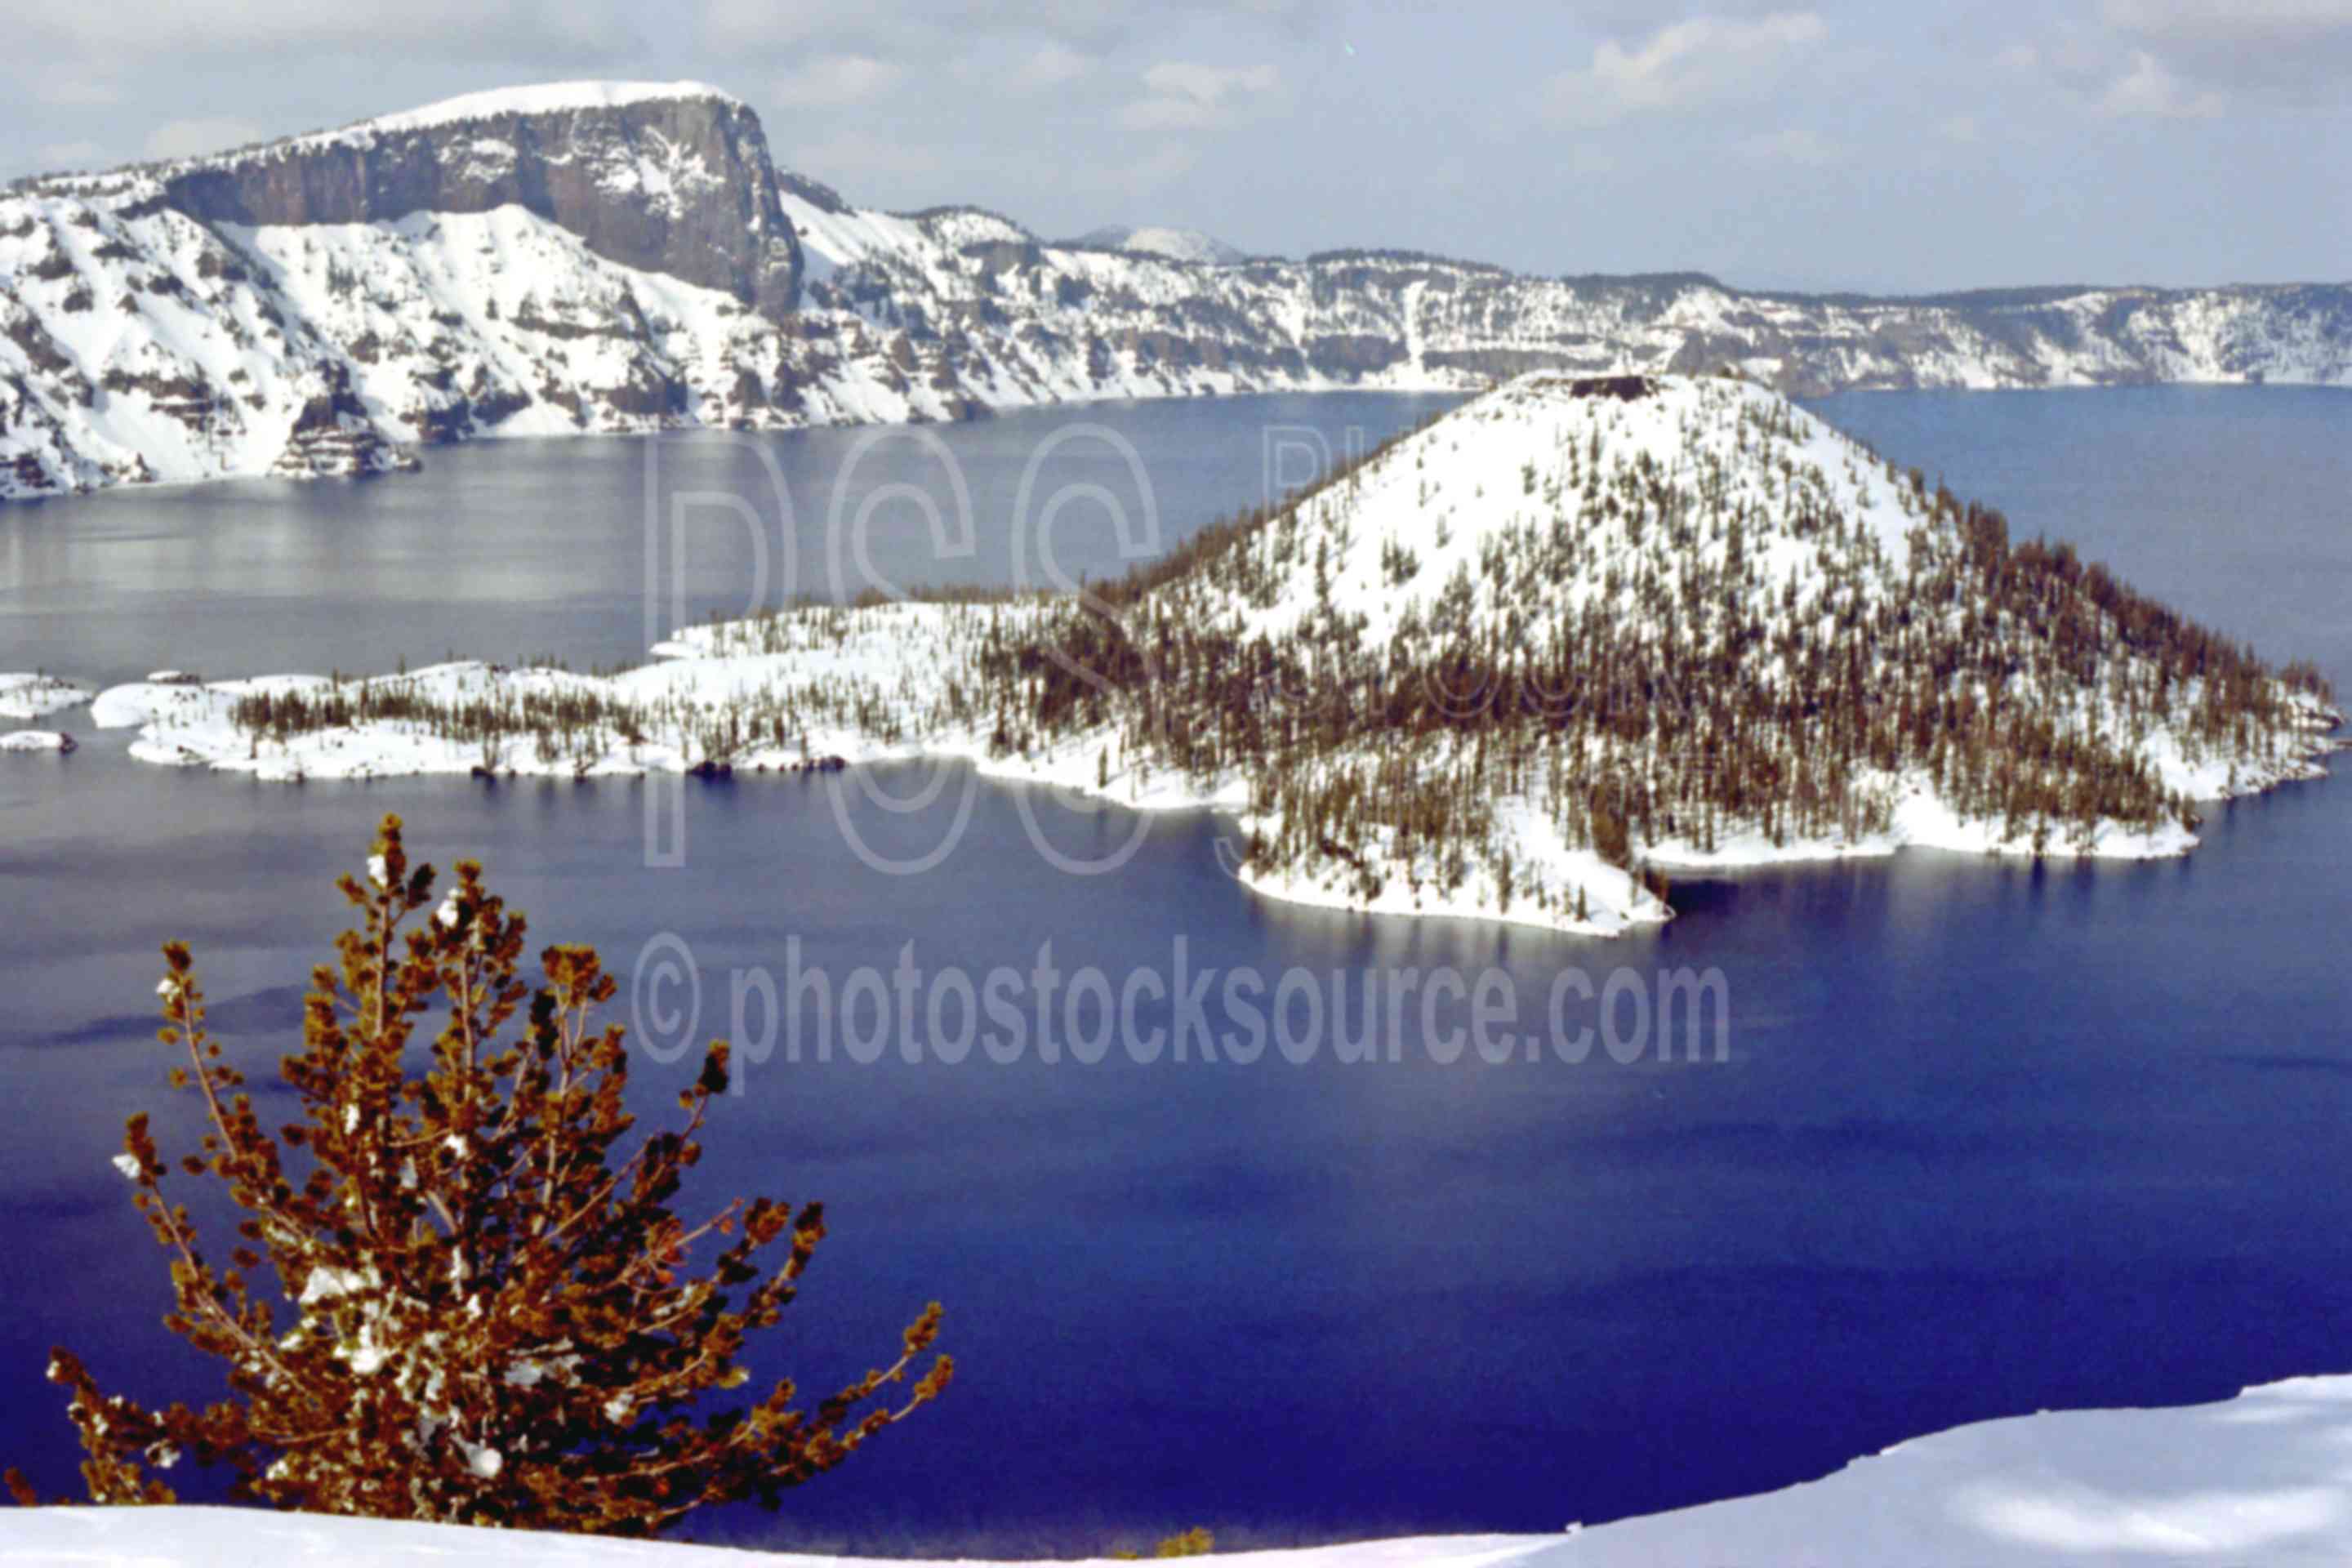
(663, 179)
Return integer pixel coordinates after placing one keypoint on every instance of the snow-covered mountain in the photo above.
(1504, 667)
(2257, 1479)
(1171, 244)
(553, 258)
(616, 256)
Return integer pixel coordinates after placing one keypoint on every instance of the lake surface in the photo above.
(1990, 1139)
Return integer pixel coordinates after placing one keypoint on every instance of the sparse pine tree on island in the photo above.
(490, 1313)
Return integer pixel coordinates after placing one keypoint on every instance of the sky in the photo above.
(1826, 147)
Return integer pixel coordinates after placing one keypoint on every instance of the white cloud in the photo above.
(1961, 127)
(2148, 88)
(740, 25)
(536, 30)
(832, 81)
(1051, 64)
(1188, 97)
(2089, 72)
(1689, 63)
(2275, 20)
(1796, 146)
(186, 138)
(2299, 47)
(938, 27)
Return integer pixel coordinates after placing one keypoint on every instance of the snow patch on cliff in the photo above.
(543, 98)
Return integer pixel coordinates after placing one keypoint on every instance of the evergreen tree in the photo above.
(493, 1318)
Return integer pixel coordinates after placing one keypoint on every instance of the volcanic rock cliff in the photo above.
(673, 180)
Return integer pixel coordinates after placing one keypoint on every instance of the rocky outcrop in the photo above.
(333, 435)
(672, 182)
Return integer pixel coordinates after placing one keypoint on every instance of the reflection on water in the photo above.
(512, 550)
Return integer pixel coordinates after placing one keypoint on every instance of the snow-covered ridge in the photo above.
(2257, 1479)
(1173, 244)
(625, 256)
(1572, 631)
(1368, 318)
(581, 257)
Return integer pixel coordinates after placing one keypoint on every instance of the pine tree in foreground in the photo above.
(493, 1319)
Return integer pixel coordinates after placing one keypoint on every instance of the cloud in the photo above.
(2155, 92)
(2263, 24)
(535, 30)
(1700, 60)
(1188, 97)
(2299, 47)
(1961, 127)
(2090, 73)
(2150, 89)
(833, 81)
(1049, 65)
(1796, 145)
(934, 27)
(186, 138)
(735, 25)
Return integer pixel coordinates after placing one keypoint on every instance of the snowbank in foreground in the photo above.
(2266, 1477)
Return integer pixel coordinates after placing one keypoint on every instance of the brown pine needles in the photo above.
(493, 1316)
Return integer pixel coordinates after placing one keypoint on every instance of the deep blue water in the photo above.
(515, 550)
(1991, 1138)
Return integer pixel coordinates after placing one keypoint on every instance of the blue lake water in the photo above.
(1991, 1138)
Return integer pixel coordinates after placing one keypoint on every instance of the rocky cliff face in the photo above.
(676, 181)
(603, 257)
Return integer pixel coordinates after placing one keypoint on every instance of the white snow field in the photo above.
(2265, 1477)
(34, 696)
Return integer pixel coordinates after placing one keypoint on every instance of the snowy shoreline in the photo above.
(180, 723)
(2257, 1478)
